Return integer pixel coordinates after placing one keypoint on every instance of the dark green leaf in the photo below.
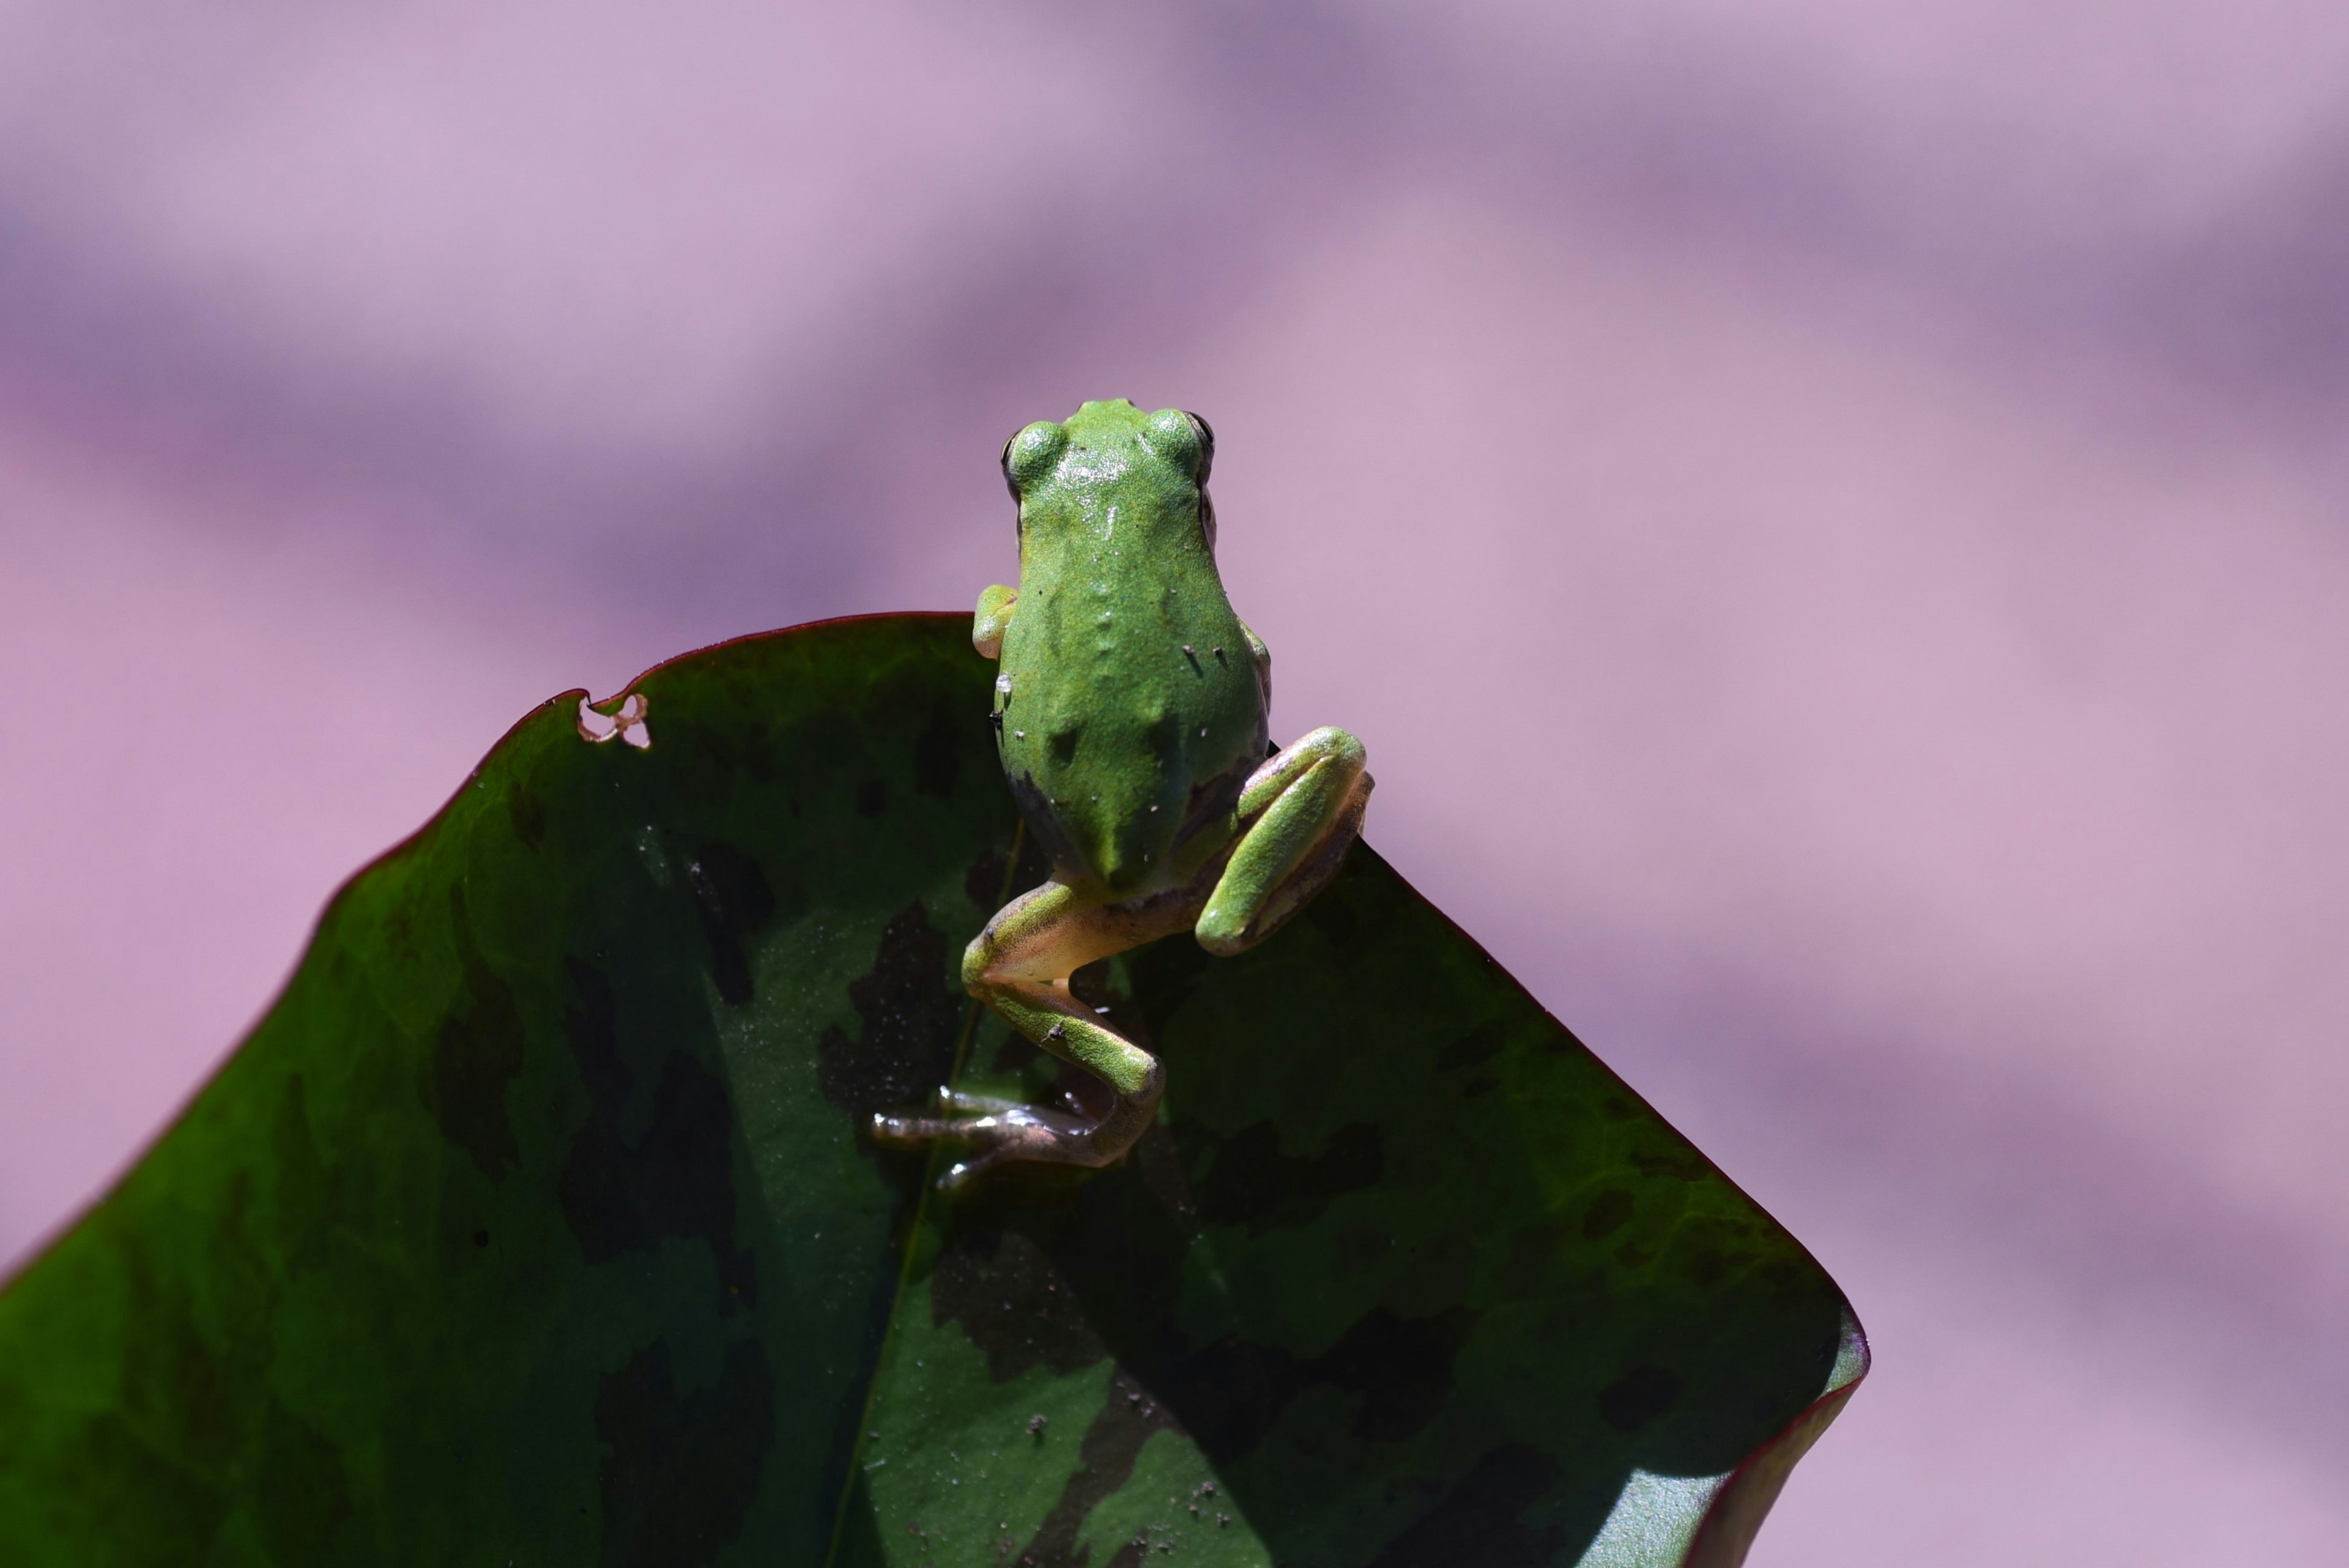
(534, 1225)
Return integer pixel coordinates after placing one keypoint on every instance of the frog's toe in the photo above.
(997, 1128)
(961, 1174)
(957, 1103)
(896, 1127)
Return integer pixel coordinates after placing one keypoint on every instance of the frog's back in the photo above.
(1134, 709)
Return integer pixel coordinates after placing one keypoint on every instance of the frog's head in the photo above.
(1111, 453)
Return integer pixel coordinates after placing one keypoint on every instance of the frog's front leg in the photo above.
(1297, 815)
(1019, 966)
(994, 614)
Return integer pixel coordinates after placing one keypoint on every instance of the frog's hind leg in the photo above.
(1019, 966)
(1301, 812)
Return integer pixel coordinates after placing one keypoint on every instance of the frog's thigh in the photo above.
(1308, 804)
(1051, 932)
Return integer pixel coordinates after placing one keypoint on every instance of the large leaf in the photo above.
(534, 1224)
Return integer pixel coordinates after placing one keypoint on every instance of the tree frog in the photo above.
(1130, 711)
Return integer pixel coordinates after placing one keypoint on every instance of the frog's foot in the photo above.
(1302, 810)
(997, 1130)
(1019, 966)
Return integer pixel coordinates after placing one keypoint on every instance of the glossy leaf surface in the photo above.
(533, 1225)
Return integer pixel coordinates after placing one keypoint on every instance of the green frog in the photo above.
(1131, 713)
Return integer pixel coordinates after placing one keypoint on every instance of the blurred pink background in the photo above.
(1829, 520)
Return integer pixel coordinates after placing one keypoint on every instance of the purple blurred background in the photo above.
(1829, 520)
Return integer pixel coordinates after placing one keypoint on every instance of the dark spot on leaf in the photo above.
(1064, 745)
(1104, 1464)
(983, 883)
(906, 1047)
(938, 754)
(871, 798)
(1035, 863)
(1231, 1393)
(1402, 1365)
(681, 1473)
(304, 1191)
(1617, 1110)
(400, 934)
(473, 1061)
(1160, 1166)
(1688, 1167)
(528, 815)
(481, 1238)
(1707, 1267)
(188, 1393)
(1479, 1045)
(1252, 1182)
(304, 1496)
(1608, 1212)
(733, 896)
(1637, 1397)
(1012, 1303)
(478, 1053)
(1121, 1245)
(676, 1178)
(1480, 1520)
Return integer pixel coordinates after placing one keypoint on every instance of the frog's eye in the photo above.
(1206, 435)
(1031, 453)
(1009, 483)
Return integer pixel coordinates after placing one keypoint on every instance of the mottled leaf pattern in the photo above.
(533, 1225)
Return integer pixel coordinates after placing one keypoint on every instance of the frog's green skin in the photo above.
(1131, 713)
